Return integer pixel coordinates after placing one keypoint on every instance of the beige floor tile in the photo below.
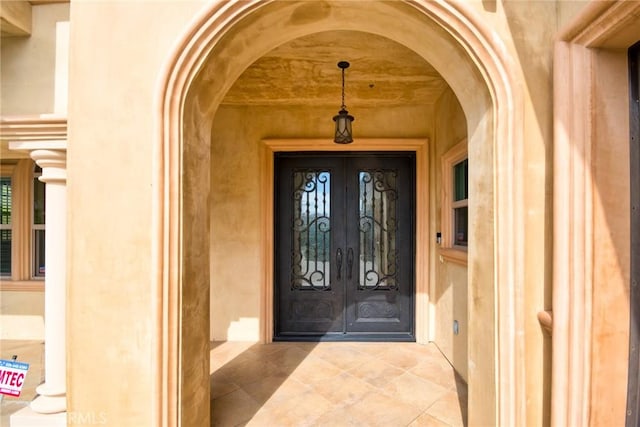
(448, 409)
(314, 369)
(436, 370)
(268, 417)
(233, 409)
(219, 386)
(401, 357)
(341, 417)
(344, 389)
(372, 348)
(266, 388)
(379, 409)
(376, 372)
(222, 353)
(344, 356)
(289, 358)
(249, 370)
(299, 409)
(287, 391)
(415, 391)
(426, 420)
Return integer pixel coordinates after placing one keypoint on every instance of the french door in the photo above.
(344, 246)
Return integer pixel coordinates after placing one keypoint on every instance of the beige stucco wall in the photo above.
(109, 167)
(568, 10)
(115, 66)
(110, 150)
(235, 188)
(450, 279)
(122, 137)
(534, 47)
(27, 64)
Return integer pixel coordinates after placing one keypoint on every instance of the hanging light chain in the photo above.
(343, 106)
(343, 65)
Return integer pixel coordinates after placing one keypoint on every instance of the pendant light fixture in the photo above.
(343, 119)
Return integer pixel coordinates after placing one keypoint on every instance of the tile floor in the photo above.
(31, 352)
(308, 384)
(334, 384)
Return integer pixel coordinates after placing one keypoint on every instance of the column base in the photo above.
(49, 404)
(26, 417)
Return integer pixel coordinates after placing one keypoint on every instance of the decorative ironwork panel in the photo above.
(311, 230)
(378, 225)
(312, 311)
(377, 311)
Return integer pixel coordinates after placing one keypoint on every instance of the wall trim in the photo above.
(600, 24)
(22, 286)
(46, 127)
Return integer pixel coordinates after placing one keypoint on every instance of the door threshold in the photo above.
(346, 338)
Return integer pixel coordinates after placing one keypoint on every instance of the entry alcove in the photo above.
(210, 133)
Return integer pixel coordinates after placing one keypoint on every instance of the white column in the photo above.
(52, 394)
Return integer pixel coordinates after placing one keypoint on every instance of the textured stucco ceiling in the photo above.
(305, 72)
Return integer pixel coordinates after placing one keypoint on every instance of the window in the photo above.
(5, 226)
(37, 226)
(460, 203)
(455, 204)
(22, 225)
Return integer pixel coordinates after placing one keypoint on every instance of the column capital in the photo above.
(53, 164)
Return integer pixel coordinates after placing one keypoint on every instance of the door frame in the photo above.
(420, 146)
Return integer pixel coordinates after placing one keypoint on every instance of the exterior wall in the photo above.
(110, 149)
(114, 80)
(27, 65)
(121, 136)
(591, 216)
(235, 187)
(568, 9)
(534, 48)
(451, 288)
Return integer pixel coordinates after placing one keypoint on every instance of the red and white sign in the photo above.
(12, 376)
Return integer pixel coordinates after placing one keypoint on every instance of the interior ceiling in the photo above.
(305, 72)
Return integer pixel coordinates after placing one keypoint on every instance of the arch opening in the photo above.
(224, 42)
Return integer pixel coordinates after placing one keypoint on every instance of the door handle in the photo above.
(339, 262)
(349, 263)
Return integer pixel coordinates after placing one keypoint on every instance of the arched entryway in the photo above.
(226, 39)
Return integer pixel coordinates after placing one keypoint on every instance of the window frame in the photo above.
(448, 250)
(6, 171)
(22, 278)
(37, 173)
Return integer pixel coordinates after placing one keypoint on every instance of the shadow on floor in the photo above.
(334, 384)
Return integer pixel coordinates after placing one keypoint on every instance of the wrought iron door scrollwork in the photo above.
(378, 226)
(311, 230)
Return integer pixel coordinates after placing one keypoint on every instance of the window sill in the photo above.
(455, 256)
(22, 285)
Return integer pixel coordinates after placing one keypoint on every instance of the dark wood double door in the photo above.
(344, 246)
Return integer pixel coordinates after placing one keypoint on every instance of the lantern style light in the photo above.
(343, 119)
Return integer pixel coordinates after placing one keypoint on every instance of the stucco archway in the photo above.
(200, 71)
